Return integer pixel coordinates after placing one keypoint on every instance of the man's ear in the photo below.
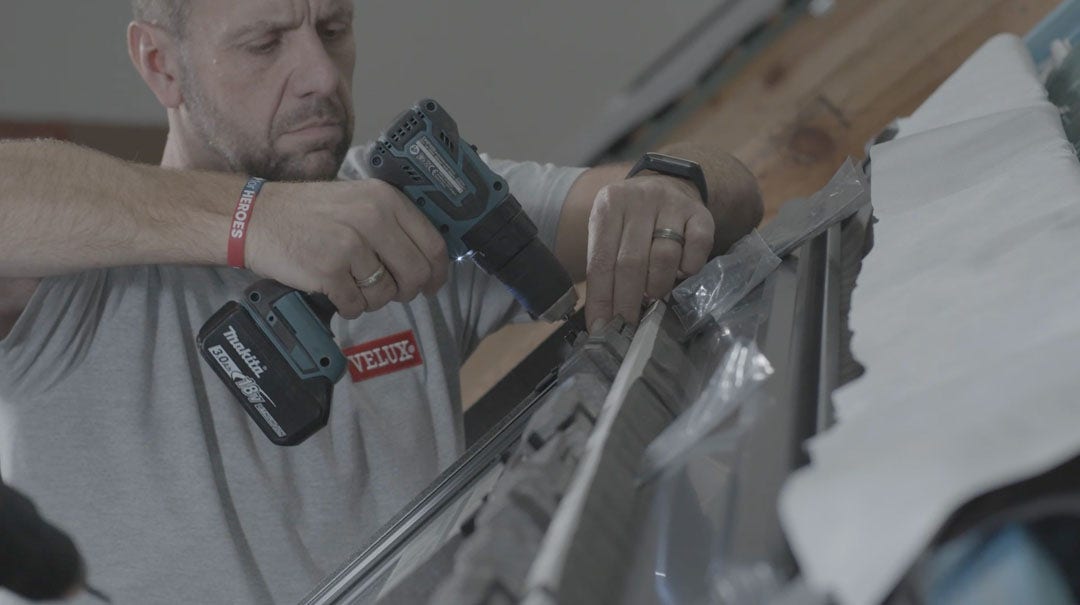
(155, 55)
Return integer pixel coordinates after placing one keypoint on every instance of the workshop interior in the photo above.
(871, 398)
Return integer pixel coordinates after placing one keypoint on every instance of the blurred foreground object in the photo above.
(37, 560)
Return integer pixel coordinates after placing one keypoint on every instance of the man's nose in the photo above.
(314, 71)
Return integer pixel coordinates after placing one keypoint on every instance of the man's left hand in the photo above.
(625, 261)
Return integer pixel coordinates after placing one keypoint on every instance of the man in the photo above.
(109, 418)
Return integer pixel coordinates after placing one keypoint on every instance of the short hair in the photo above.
(169, 14)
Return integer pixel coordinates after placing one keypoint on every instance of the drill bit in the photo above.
(97, 594)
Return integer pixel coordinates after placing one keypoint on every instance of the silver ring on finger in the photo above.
(670, 234)
(372, 279)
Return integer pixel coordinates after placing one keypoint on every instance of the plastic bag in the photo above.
(801, 220)
(723, 282)
(746, 584)
(689, 526)
(741, 371)
(692, 468)
(689, 516)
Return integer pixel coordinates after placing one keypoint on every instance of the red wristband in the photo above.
(238, 230)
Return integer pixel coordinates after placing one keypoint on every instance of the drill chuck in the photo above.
(505, 244)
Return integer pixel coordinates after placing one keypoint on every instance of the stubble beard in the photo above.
(243, 153)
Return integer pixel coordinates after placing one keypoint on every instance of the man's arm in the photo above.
(65, 209)
(605, 232)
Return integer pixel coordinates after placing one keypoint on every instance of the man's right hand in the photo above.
(326, 236)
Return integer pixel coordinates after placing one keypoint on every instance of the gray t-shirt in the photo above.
(111, 421)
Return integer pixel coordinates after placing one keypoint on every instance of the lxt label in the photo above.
(246, 385)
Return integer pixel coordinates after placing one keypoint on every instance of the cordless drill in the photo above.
(274, 349)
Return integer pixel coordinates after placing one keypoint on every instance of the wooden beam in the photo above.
(830, 84)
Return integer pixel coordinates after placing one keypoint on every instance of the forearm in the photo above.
(734, 196)
(64, 208)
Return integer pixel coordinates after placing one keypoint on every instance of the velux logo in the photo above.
(383, 356)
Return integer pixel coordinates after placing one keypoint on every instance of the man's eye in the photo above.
(264, 47)
(333, 32)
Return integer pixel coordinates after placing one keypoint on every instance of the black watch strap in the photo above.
(670, 165)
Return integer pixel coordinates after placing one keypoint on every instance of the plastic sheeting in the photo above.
(727, 279)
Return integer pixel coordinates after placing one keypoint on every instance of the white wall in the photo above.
(521, 78)
(68, 60)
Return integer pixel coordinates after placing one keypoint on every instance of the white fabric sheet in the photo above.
(965, 315)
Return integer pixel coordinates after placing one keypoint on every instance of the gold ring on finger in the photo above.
(670, 234)
(372, 279)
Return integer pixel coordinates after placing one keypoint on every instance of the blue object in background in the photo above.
(1062, 23)
(1007, 566)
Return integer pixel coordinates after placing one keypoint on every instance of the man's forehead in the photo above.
(226, 16)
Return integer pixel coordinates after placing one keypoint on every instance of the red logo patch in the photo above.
(383, 356)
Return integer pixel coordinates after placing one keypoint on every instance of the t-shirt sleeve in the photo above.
(54, 331)
(478, 303)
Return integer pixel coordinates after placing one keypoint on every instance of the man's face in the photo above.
(267, 85)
